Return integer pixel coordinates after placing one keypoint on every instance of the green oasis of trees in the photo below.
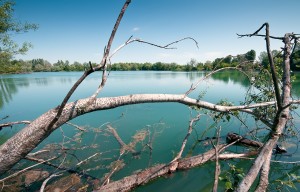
(245, 61)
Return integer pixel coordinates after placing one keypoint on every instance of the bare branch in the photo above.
(76, 126)
(218, 167)
(257, 31)
(178, 156)
(88, 72)
(194, 86)
(130, 40)
(10, 124)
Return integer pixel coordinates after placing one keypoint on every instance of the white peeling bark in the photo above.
(17, 147)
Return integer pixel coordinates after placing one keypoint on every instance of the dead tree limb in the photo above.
(18, 146)
(130, 40)
(190, 129)
(102, 65)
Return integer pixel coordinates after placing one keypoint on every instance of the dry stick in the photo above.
(13, 123)
(38, 152)
(88, 72)
(190, 129)
(174, 162)
(218, 167)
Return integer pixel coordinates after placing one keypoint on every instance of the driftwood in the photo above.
(234, 137)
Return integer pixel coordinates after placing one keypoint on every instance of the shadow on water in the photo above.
(9, 87)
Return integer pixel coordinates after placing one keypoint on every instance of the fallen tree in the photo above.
(21, 144)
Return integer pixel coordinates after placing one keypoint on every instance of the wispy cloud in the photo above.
(136, 29)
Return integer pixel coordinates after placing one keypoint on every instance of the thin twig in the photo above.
(190, 129)
(46, 180)
(13, 123)
(25, 169)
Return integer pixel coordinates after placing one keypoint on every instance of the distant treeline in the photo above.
(245, 61)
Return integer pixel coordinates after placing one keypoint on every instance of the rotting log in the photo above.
(234, 137)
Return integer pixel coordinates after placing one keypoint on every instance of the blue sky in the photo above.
(78, 30)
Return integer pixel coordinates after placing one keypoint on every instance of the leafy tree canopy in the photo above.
(8, 27)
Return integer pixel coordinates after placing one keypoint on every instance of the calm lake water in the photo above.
(26, 96)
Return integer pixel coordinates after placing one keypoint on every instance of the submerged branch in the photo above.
(156, 171)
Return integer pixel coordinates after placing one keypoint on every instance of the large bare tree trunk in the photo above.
(18, 146)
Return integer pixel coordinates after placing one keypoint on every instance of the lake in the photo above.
(26, 96)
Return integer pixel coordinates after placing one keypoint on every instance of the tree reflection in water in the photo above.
(9, 86)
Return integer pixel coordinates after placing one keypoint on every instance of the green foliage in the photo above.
(250, 56)
(9, 26)
(8, 48)
(295, 59)
(232, 177)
